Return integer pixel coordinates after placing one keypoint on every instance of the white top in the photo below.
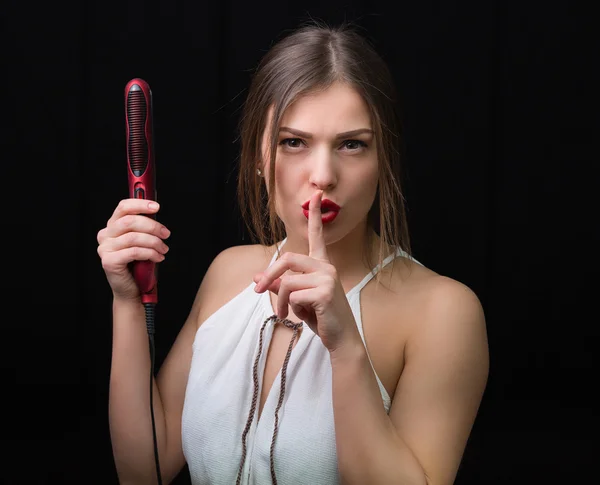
(220, 388)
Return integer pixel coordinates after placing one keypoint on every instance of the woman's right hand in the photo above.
(130, 236)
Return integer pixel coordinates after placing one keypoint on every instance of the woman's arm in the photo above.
(436, 400)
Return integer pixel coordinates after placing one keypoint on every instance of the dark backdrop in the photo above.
(499, 152)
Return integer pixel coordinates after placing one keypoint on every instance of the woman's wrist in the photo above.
(126, 301)
(351, 350)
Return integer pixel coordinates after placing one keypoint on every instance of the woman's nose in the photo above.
(323, 172)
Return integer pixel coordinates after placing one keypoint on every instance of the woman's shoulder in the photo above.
(437, 303)
(427, 287)
(243, 259)
(230, 272)
(419, 294)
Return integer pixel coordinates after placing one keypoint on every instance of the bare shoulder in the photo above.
(450, 319)
(230, 272)
(447, 302)
(430, 294)
(421, 305)
(437, 298)
(234, 261)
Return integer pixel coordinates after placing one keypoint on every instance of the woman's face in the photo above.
(325, 143)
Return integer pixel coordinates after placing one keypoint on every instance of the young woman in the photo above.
(325, 354)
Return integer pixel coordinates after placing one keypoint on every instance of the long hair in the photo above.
(311, 59)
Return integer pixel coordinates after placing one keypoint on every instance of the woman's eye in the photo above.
(291, 142)
(354, 144)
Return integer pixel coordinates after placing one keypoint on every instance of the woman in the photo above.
(302, 361)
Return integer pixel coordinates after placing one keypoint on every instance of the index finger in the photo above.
(133, 206)
(316, 240)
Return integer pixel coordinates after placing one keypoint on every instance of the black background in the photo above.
(501, 143)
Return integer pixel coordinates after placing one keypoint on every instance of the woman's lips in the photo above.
(326, 204)
(326, 217)
(329, 210)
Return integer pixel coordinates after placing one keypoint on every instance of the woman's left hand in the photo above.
(316, 296)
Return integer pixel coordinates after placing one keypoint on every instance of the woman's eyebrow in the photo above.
(346, 134)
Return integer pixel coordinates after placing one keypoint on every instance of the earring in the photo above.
(259, 172)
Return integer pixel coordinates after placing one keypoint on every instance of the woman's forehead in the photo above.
(337, 109)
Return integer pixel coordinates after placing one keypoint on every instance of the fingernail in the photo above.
(164, 232)
(152, 205)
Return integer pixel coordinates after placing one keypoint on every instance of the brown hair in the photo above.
(311, 59)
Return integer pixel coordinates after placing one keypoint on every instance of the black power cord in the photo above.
(149, 309)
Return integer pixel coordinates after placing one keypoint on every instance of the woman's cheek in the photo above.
(284, 199)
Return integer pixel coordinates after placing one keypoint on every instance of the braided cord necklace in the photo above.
(296, 328)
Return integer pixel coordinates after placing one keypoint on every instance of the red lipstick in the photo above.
(326, 204)
(329, 210)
